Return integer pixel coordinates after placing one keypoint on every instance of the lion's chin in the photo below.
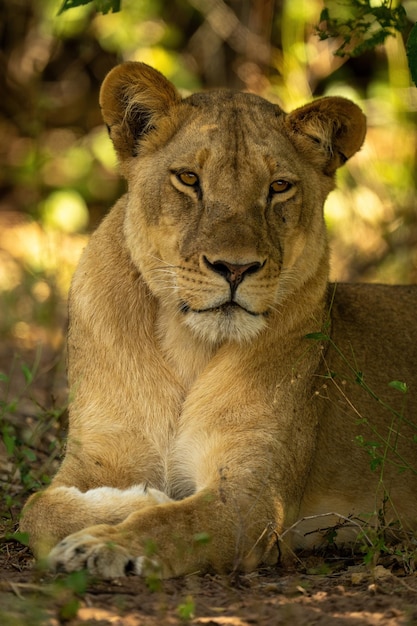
(224, 324)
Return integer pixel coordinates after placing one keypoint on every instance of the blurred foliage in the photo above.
(58, 173)
(412, 52)
(360, 24)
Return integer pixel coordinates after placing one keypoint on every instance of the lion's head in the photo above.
(225, 195)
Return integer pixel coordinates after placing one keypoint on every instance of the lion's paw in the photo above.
(104, 559)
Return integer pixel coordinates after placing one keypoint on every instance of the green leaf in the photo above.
(318, 336)
(107, 6)
(27, 373)
(398, 385)
(77, 581)
(324, 15)
(69, 610)
(375, 463)
(330, 375)
(22, 538)
(102, 6)
(8, 407)
(411, 48)
(29, 454)
(3, 378)
(202, 538)
(71, 4)
(186, 609)
(11, 406)
(10, 443)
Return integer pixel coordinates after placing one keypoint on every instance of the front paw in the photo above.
(104, 559)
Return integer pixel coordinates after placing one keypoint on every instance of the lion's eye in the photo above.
(188, 178)
(279, 186)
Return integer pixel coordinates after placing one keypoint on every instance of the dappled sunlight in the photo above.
(40, 250)
(36, 265)
(371, 215)
(66, 211)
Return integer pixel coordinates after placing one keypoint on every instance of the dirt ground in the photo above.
(353, 595)
(336, 589)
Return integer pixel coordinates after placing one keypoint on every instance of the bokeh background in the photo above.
(58, 173)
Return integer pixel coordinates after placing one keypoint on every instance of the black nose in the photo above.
(234, 273)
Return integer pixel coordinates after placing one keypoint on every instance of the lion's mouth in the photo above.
(226, 309)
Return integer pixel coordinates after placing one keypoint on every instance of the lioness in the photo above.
(221, 389)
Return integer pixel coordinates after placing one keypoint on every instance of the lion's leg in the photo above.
(51, 515)
(228, 523)
(199, 532)
(248, 468)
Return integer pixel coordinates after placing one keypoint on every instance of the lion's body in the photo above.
(216, 377)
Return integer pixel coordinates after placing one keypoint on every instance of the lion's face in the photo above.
(224, 216)
(220, 216)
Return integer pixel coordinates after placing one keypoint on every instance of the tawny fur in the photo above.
(206, 428)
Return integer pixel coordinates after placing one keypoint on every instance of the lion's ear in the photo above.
(132, 98)
(329, 131)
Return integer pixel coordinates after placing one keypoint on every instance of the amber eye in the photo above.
(188, 178)
(279, 186)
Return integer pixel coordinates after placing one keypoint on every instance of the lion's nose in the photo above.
(234, 273)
